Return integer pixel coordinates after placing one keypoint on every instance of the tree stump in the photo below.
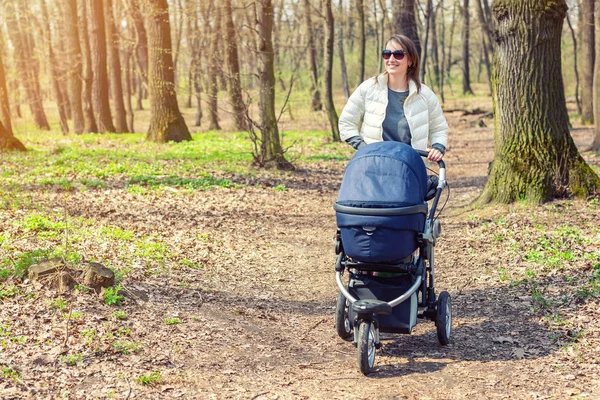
(97, 276)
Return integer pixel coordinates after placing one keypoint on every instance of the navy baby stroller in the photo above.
(385, 241)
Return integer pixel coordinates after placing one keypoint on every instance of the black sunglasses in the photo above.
(398, 54)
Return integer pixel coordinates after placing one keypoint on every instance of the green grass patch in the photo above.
(149, 380)
(202, 183)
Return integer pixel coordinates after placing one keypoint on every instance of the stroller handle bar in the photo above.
(441, 165)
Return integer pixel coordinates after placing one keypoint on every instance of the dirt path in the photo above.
(256, 314)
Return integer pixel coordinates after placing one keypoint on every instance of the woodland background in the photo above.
(224, 270)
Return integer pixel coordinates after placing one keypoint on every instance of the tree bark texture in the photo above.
(328, 73)
(316, 103)
(167, 123)
(405, 20)
(535, 157)
(74, 65)
(235, 85)
(24, 47)
(89, 119)
(114, 62)
(466, 81)
(587, 61)
(271, 150)
(8, 141)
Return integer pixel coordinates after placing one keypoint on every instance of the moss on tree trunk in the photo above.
(536, 158)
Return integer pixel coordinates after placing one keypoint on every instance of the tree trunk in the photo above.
(271, 150)
(75, 71)
(328, 73)
(423, 61)
(114, 60)
(466, 81)
(235, 85)
(362, 39)
(64, 126)
(88, 76)
(486, 38)
(345, 84)
(214, 70)
(435, 57)
(405, 20)
(587, 61)
(575, 69)
(8, 141)
(596, 83)
(5, 117)
(128, 90)
(316, 103)
(97, 36)
(166, 123)
(24, 48)
(141, 49)
(535, 158)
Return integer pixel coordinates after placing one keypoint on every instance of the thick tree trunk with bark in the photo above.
(114, 61)
(89, 119)
(316, 103)
(167, 123)
(235, 85)
(536, 158)
(8, 141)
(271, 150)
(587, 60)
(100, 91)
(405, 20)
(328, 73)
(466, 81)
(74, 67)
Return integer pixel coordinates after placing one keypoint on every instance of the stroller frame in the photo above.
(420, 269)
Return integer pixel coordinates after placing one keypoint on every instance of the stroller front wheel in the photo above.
(343, 326)
(443, 320)
(366, 347)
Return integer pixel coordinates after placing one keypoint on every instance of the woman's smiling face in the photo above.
(394, 66)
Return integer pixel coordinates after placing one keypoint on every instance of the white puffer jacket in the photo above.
(369, 102)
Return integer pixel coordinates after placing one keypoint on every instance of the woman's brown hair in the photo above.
(411, 51)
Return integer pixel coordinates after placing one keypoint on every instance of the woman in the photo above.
(395, 105)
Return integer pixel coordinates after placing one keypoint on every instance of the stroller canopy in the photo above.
(384, 174)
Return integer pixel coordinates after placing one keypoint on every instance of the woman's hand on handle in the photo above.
(434, 155)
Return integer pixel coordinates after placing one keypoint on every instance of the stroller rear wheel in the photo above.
(343, 326)
(443, 320)
(366, 347)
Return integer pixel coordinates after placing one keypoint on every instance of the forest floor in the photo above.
(253, 315)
